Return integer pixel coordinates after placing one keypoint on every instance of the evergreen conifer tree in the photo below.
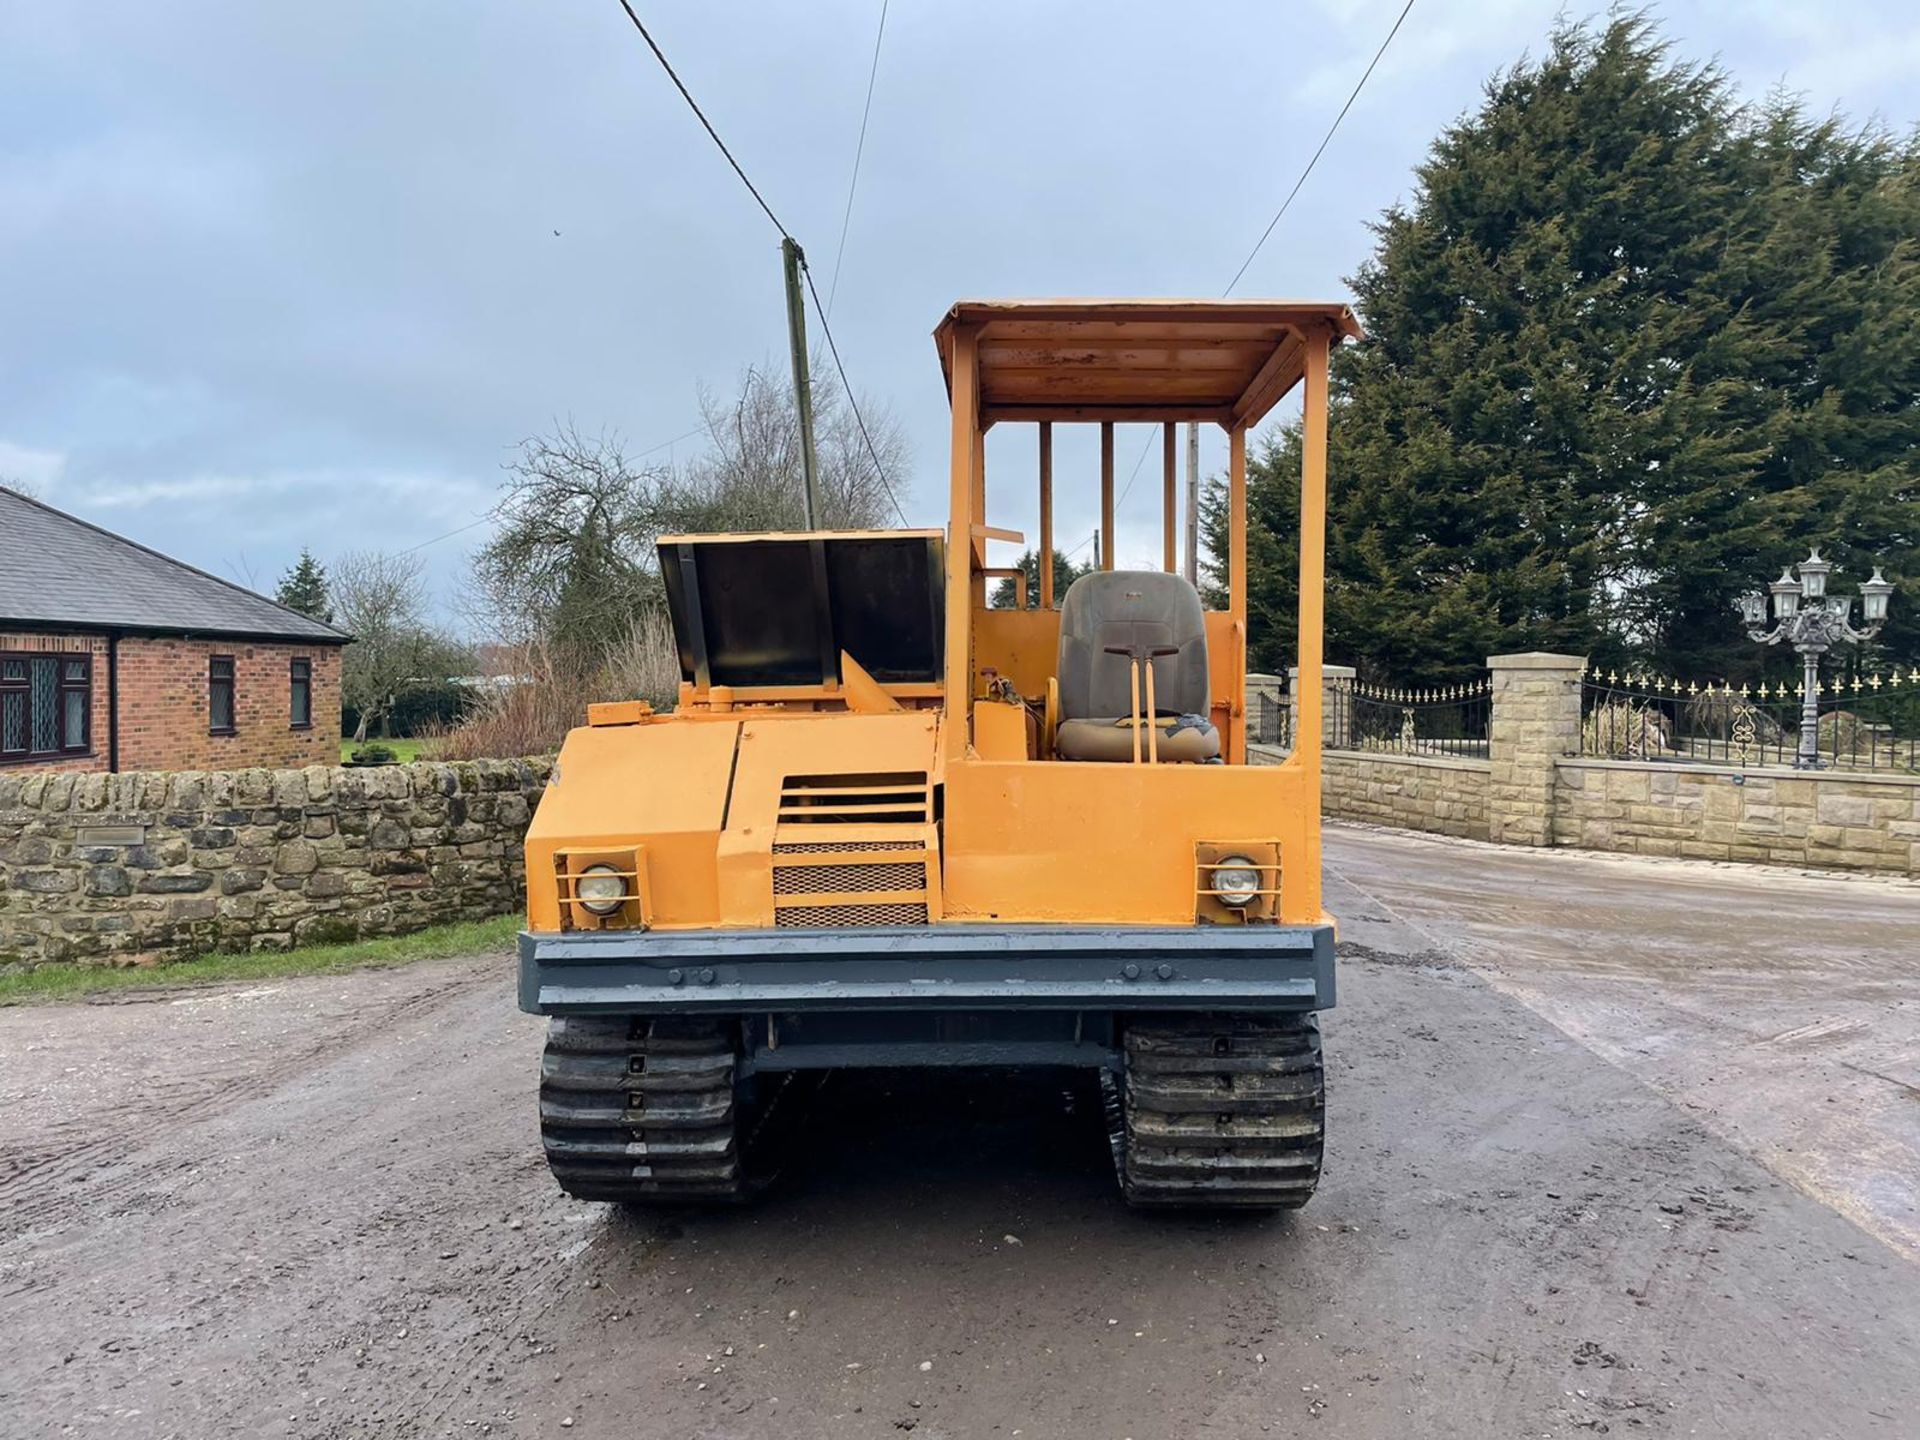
(1631, 348)
(304, 588)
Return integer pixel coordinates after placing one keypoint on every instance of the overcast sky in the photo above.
(275, 275)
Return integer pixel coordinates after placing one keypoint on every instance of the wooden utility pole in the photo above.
(1193, 503)
(802, 380)
(1105, 561)
(1169, 512)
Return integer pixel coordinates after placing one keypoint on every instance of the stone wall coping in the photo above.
(1327, 672)
(1536, 660)
(1753, 772)
(1424, 762)
(1421, 762)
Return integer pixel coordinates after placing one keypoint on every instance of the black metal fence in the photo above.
(1415, 720)
(1867, 723)
(1272, 718)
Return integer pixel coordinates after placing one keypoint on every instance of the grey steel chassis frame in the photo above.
(1257, 968)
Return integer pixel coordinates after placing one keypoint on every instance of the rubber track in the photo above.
(1221, 1110)
(640, 1110)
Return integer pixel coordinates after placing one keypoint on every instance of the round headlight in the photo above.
(601, 889)
(1236, 881)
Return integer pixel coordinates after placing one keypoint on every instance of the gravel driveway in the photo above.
(1609, 1154)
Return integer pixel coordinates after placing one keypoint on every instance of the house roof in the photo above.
(1224, 361)
(59, 571)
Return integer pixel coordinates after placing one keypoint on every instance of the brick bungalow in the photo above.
(115, 657)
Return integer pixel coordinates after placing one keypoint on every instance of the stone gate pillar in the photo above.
(1336, 706)
(1266, 725)
(1534, 720)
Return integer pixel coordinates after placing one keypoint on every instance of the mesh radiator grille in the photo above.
(835, 916)
(823, 879)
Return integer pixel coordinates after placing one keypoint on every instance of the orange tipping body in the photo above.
(860, 740)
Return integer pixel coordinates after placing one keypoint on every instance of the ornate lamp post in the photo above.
(1813, 622)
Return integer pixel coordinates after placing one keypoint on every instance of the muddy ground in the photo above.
(1607, 1156)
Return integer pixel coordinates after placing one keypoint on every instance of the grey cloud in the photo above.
(273, 276)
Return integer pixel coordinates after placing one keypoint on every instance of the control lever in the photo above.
(1136, 655)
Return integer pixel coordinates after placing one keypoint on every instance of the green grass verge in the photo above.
(67, 981)
(407, 750)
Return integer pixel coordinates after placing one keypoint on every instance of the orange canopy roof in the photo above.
(1225, 361)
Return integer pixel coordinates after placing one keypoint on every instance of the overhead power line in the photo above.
(1265, 234)
(785, 234)
(1317, 153)
(460, 530)
(859, 149)
(846, 388)
(475, 524)
(694, 106)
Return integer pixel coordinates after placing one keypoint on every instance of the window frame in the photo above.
(231, 681)
(299, 681)
(62, 687)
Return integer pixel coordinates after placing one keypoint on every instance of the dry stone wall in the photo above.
(141, 867)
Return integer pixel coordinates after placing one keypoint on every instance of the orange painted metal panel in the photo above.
(1021, 645)
(1000, 730)
(661, 784)
(1059, 842)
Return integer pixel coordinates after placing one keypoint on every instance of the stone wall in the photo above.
(134, 867)
(1535, 789)
(1411, 792)
(1855, 822)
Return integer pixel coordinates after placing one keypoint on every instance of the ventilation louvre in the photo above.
(898, 798)
(882, 873)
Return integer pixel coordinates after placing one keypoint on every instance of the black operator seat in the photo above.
(1108, 619)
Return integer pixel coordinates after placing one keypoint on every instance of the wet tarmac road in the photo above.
(1557, 1204)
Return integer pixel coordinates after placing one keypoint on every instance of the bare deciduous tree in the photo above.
(572, 562)
(570, 579)
(381, 600)
(752, 478)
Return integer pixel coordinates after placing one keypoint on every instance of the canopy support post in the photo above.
(966, 427)
(1046, 515)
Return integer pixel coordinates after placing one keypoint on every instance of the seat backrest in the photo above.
(1142, 610)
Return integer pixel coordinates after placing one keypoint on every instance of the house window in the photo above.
(45, 705)
(300, 706)
(220, 694)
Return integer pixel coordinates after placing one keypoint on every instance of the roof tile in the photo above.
(59, 570)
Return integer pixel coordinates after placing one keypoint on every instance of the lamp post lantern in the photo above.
(1813, 622)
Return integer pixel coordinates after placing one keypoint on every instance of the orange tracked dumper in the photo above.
(887, 825)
